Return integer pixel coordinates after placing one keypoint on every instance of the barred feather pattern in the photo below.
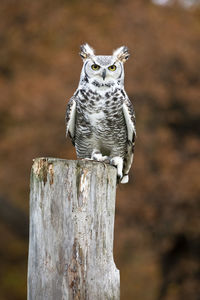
(100, 124)
(100, 117)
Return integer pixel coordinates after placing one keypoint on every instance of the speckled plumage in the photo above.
(100, 117)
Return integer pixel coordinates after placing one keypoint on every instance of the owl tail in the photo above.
(125, 179)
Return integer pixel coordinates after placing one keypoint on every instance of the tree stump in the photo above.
(72, 209)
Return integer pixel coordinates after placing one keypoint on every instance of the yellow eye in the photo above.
(112, 68)
(95, 67)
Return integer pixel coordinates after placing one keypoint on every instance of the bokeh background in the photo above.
(157, 227)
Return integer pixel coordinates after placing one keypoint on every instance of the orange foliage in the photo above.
(157, 230)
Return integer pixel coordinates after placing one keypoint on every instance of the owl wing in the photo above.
(70, 118)
(129, 116)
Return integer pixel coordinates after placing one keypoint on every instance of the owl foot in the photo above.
(87, 158)
(117, 161)
(96, 155)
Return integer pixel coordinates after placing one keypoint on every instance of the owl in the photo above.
(100, 118)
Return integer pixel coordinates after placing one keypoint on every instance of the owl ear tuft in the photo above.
(121, 53)
(86, 51)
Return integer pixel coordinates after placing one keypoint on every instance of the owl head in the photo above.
(103, 69)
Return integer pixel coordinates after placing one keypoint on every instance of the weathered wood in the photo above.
(72, 207)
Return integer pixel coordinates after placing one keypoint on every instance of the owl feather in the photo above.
(86, 51)
(100, 118)
(121, 54)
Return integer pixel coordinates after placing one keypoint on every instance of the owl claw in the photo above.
(117, 161)
(87, 158)
(96, 155)
(106, 159)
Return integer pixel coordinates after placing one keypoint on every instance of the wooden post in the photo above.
(72, 208)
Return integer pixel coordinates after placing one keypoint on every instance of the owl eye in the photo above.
(95, 67)
(112, 68)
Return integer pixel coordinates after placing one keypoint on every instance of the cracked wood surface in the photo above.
(72, 208)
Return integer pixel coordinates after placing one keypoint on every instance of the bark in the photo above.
(72, 208)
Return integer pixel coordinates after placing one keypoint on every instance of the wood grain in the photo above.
(72, 208)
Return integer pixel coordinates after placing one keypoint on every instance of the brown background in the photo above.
(157, 228)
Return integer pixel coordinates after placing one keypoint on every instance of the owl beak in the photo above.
(104, 74)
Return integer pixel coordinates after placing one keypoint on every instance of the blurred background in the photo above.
(157, 227)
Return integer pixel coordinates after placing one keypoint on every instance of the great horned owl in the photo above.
(100, 117)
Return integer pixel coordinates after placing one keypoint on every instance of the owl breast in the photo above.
(96, 118)
(100, 124)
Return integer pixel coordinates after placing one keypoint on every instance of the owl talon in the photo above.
(118, 163)
(99, 157)
(106, 159)
(96, 155)
(87, 158)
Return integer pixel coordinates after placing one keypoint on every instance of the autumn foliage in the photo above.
(157, 228)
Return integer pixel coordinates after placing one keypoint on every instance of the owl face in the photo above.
(103, 68)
